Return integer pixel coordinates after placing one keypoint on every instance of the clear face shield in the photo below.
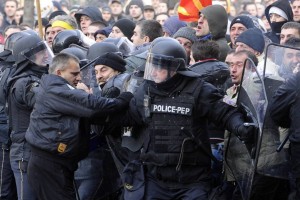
(160, 68)
(41, 54)
(125, 46)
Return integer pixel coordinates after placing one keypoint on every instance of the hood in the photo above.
(283, 5)
(217, 20)
(92, 12)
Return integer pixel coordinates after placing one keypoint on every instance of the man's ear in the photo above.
(58, 72)
(146, 39)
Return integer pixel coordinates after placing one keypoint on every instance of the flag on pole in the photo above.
(188, 10)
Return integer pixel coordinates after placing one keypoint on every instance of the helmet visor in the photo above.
(41, 54)
(160, 68)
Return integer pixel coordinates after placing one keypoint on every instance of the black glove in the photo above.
(111, 92)
(124, 98)
(246, 132)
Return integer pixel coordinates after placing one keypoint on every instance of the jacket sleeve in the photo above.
(283, 100)
(211, 106)
(80, 104)
(24, 91)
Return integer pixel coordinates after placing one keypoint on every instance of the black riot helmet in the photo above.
(11, 40)
(64, 39)
(8, 46)
(77, 52)
(32, 48)
(100, 48)
(166, 57)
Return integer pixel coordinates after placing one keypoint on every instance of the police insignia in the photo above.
(128, 186)
(61, 147)
(181, 109)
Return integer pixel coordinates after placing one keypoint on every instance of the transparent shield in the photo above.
(125, 46)
(88, 76)
(160, 68)
(283, 61)
(41, 54)
(273, 156)
(240, 157)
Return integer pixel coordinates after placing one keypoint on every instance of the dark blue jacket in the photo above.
(56, 121)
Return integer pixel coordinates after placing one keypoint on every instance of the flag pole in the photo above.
(40, 25)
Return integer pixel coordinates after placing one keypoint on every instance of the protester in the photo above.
(122, 28)
(212, 24)
(56, 98)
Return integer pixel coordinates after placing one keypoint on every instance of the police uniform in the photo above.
(171, 111)
(176, 150)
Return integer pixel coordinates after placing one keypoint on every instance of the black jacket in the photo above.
(213, 71)
(56, 121)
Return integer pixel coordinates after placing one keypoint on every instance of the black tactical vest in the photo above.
(171, 139)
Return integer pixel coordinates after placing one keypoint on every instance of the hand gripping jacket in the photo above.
(172, 139)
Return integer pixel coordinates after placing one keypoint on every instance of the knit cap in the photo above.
(254, 38)
(105, 31)
(243, 19)
(139, 3)
(113, 61)
(172, 25)
(186, 32)
(126, 26)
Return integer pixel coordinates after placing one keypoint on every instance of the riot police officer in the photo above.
(8, 186)
(32, 56)
(171, 109)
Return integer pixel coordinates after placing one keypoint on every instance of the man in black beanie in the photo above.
(135, 10)
(123, 28)
(238, 25)
(107, 66)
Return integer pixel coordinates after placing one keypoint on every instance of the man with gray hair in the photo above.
(59, 127)
(62, 22)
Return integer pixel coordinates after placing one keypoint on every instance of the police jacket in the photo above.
(56, 124)
(22, 87)
(4, 132)
(173, 117)
(284, 108)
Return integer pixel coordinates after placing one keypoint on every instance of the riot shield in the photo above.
(272, 161)
(88, 75)
(240, 157)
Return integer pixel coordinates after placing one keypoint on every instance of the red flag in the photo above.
(188, 10)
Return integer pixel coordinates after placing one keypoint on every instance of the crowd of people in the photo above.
(124, 100)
